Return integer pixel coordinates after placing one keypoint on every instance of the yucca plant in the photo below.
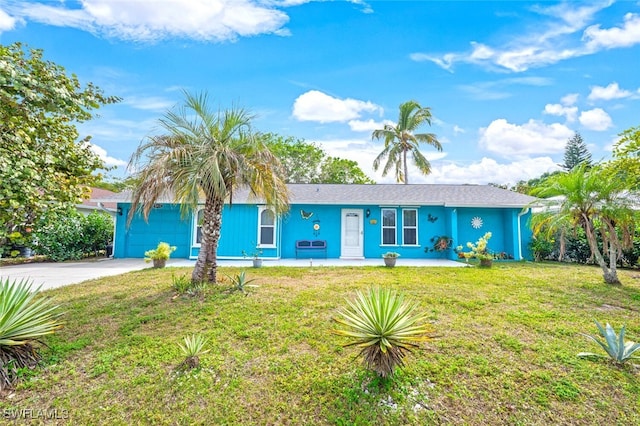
(193, 348)
(614, 345)
(23, 320)
(384, 326)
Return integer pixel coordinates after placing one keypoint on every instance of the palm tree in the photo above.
(205, 154)
(399, 140)
(585, 198)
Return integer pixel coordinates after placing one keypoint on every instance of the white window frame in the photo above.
(394, 227)
(194, 239)
(405, 227)
(261, 209)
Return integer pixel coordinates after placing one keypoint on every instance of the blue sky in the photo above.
(508, 82)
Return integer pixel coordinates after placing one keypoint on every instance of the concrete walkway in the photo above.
(52, 275)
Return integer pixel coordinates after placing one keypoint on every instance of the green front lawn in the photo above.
(505, 351)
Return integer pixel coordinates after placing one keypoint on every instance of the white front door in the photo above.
(352, 234)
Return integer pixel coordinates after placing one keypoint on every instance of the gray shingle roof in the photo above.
(391, 194)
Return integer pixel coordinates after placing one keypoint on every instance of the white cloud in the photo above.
(149, 103)
(569, 99)
(148, 21)
(595, 119)
(367, 126)
(6, 22)
(317, 106)
(488, 170)
(625, 36)
(568, 112)
(612, 91)
(549, 42)
(458, 130)
(497, 89)
(531, 138)
(364, 151)
(108, 161)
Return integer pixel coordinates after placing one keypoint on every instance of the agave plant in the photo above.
(615, 346)
(23, 320)
(193, 348)
(241, 283)
(384, 326)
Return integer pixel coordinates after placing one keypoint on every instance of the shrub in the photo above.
(541, 247)
(384, 326)
(69, 235)
(23, 320)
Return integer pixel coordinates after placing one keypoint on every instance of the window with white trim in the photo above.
(389, 227)
(266, 227)
(197, 227)
(409, 227)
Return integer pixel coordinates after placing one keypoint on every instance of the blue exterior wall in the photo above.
(164, 224)
(240, 231)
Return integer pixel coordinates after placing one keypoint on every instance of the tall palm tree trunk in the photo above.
(207, 263)
(406, 167)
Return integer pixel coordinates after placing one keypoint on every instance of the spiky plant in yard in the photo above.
(384, 326)
(23, 320)
(241, 283)
(192, 349)
(615, 346)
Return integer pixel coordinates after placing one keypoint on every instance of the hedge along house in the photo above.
(342, 221)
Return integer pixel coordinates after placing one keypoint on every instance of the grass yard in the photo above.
(505, 352)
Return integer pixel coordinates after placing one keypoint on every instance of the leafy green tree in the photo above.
(626, 158)
(340, 170)
(400, 141)
(208, 152)
(585, 199)
(306, 162)
(44, 164)
(527, 187)
(300, 160)
(576, 153)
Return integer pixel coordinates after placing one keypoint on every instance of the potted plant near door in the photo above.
(159, 255)
(255, 255)
(390, 258)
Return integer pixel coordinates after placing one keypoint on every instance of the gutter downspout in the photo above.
(113, 243)
(522, 213)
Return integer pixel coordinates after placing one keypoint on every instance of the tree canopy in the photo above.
(585, 198)
(401, 141)
(44, 164)
(576, 153)
(210, 153)
(306, 162)
(625, 165)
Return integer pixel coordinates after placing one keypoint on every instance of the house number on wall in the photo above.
(476, 222)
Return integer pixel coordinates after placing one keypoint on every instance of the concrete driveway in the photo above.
(52, 275)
